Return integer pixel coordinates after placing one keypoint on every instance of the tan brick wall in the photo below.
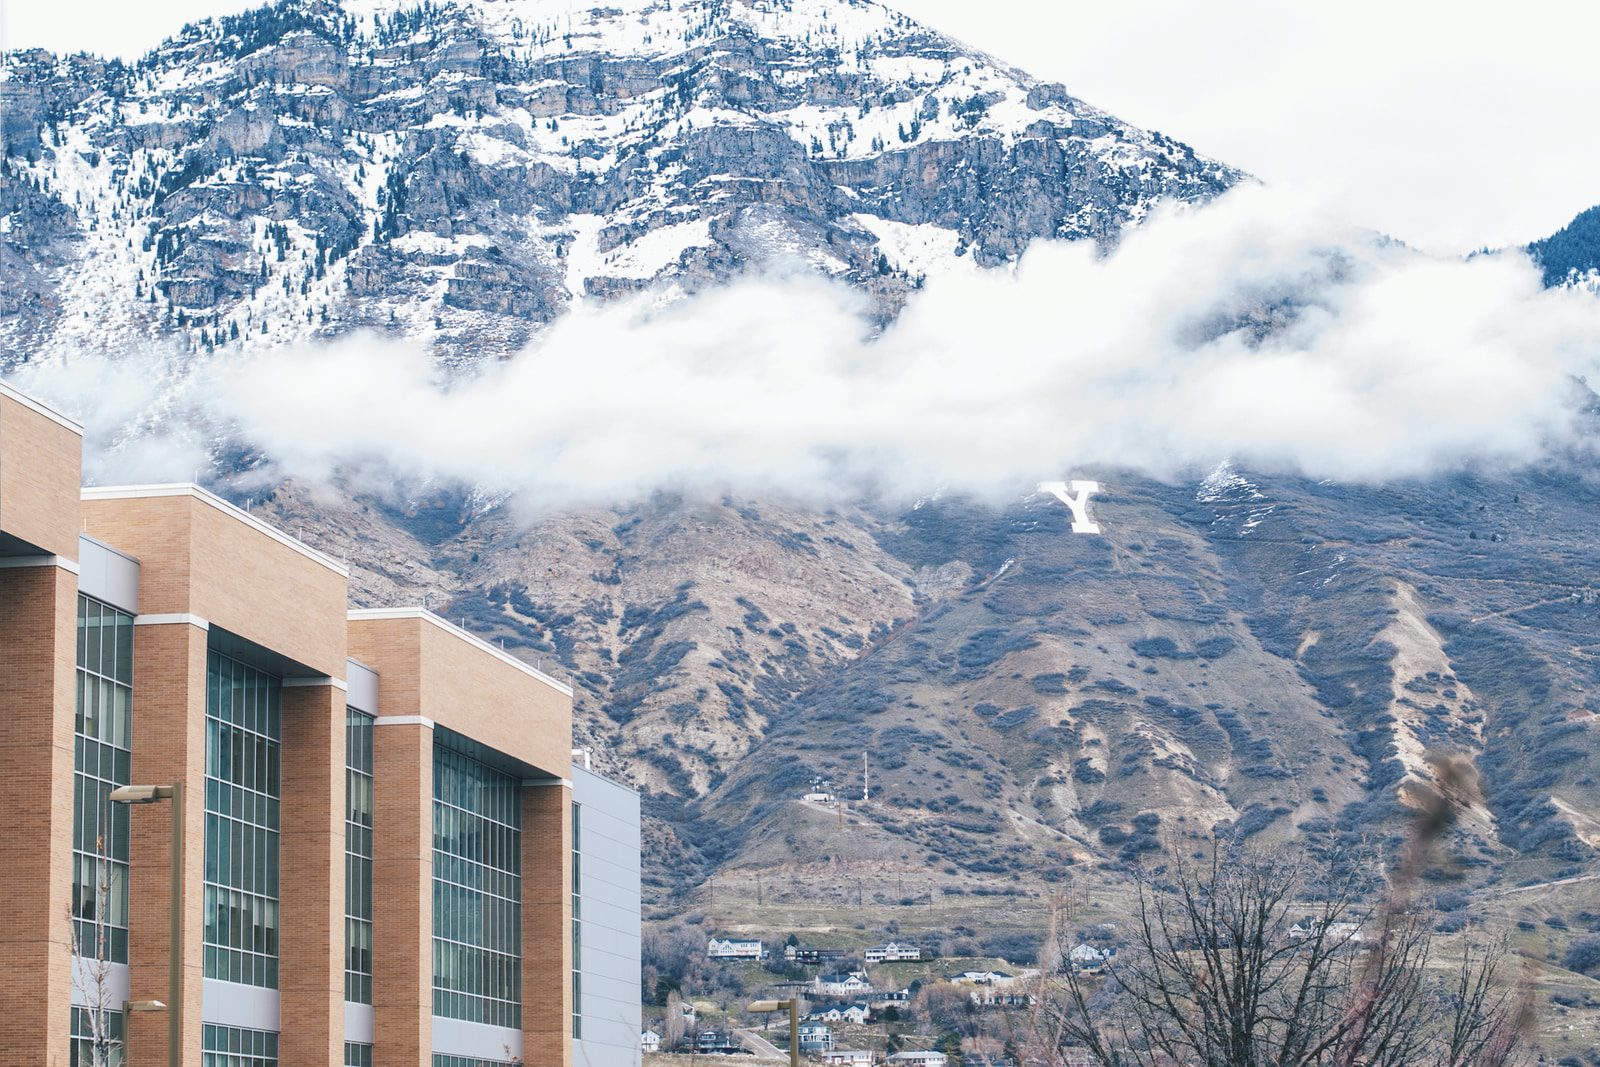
(38, 633)
(41, 467)
(547, 925)
(424, 669)
(311, 937)
(402, 893)
(197, 559)
(169, 701)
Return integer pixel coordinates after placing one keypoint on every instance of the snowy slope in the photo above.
(462, 172)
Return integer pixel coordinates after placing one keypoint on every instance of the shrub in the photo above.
(1583, 955)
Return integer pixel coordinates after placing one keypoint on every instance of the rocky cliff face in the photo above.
(464, 172)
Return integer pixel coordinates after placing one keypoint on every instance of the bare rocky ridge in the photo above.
(463, 172)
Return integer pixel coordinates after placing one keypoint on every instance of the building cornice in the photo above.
(386, 614)
(16, 562)
(314, 683)
(189, 489)
(43, 409)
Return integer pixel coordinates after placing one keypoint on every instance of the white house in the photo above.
(814, 1037)
(989, 978)
(893, 953)
(919, 1059)
(841, 985)
(719, 949)
(855, 1013)
(649, 1041)
(1338, 933)
(1087, 959)
(847, 1057)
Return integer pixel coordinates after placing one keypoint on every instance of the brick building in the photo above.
(382, 861)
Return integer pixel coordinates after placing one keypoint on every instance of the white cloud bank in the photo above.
(1380, 363)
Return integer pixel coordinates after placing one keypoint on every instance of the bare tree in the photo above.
(673, 1024)
(1248, 959)
(91, 971)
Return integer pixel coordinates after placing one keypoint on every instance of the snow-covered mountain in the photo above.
(462, 171)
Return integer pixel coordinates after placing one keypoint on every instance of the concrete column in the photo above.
(38, 705)
(311, 932)
(169, 745)
(547, 924)
(402, 894)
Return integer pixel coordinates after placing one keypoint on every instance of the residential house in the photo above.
(841, 985)
(988, 996)
(719, 949)
(984, 1059)
(857, 1013)
(649, 1041)
(815, 1037)
(1089, 959)
(847, 1057)
(888, 996)
(806, 954)
(716, 1043)
(988, 978)
(1340, 933)
(893, 953)
(919, 1059)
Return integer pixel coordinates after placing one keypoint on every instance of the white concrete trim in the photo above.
(315, 683)
(362, 686)
(8, 563)
(234, 1004)
(108, 575)
(183, 618)
(135, 492)
(358, 1023)
(592, 773)
(113, 549)
(455, 1037)
(403, 720)
(537, 783)
(39, 406)
(382, 614)
(115, 990)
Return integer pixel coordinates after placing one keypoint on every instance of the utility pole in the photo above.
(866, 785)
(793, 1004)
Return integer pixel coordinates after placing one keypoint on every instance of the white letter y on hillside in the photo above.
(1077, 500)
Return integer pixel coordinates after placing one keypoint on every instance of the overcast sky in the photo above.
(1451, 125)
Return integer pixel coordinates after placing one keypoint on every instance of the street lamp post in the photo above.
(793, 1004)
(150, 794)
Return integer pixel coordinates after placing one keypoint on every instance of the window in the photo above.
(357, 1055)
(84, 1040)
(442, 1060)
(101, 763)
(233, 1046)
(577, 921)
(244, 732)
(358, 858)
(477, 892)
